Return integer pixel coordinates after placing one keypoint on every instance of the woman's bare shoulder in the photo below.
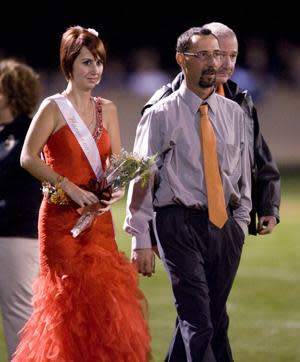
(49, 112)
(110, 113)
(108, 105)
(48, 106)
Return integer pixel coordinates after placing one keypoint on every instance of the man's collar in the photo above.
(194, 101)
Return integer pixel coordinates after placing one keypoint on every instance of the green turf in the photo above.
(264, 304)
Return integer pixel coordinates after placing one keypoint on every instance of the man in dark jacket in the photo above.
(20, 197)
(265, 174)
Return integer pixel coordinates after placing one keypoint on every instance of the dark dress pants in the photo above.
(201, 261)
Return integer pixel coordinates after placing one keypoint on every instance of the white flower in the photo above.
(93, 31)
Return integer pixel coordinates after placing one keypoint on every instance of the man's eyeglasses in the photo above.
(205, 55)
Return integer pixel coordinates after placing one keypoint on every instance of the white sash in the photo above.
(81, 132)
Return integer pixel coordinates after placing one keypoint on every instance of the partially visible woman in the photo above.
(19, 199)
(87, 305)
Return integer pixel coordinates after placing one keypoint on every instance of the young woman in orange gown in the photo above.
(87, 305)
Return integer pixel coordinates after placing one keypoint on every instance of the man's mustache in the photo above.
(209, 71)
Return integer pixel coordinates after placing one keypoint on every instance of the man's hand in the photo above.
(115, 196)
(144, 259)
(266, 224)
(155, 249)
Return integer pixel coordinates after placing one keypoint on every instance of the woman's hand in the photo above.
(78, 195)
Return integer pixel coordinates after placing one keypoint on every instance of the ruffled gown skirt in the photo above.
(87, 304)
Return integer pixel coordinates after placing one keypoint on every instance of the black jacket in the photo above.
(20, 194)
(264, 171)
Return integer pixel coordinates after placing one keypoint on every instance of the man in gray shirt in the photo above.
(200, 258)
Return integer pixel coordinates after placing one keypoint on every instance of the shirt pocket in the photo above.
(231, 159)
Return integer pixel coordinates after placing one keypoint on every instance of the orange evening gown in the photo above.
(87, 305)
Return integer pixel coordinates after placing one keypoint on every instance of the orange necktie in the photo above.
(215, 194)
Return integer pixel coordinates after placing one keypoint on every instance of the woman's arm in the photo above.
(111, 123)
(46, 121)
(42, 126)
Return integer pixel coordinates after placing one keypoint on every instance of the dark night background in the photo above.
(32, 31)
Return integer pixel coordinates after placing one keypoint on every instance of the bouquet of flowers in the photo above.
(123, 168)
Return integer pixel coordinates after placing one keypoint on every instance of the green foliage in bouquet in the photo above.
(126, 166)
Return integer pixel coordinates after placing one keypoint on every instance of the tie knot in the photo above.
(203, 109)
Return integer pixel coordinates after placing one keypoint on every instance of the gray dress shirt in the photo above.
(171, 129)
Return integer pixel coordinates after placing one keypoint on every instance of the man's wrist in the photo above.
(141, 241)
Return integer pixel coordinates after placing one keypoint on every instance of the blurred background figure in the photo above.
(288, 54)
(115, 75)
(147, 74)
(19, 199)
(255, 75)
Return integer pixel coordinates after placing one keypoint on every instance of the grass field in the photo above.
(264, 305)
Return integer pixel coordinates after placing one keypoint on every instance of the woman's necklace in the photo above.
(91, 123)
